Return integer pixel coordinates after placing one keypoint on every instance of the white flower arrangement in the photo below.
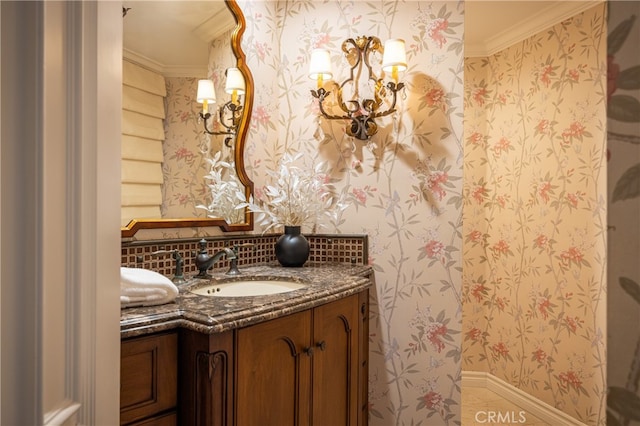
(226, 191)
(295, 197)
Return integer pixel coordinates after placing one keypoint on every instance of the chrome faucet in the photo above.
(205, 262)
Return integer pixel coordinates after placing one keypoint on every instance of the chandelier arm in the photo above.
(321, 95)
(221, 116)
(372, 105)
(204, 118)
(235, 116)
(394, 88)
(343, 104)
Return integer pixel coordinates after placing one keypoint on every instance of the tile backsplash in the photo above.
(323, 248)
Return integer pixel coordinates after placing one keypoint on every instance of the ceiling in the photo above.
(491, 26)
(171, 37)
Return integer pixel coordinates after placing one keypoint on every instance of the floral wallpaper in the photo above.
(534, 281)
(403, 187)
(186, 147)
(623, 297)
(533, 290)
(184, 165)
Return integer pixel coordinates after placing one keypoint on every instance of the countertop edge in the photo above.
(179, 317)
(277, 312)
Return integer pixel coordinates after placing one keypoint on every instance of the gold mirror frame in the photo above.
(136, 224)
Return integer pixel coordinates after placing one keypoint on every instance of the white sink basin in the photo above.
(248, 288)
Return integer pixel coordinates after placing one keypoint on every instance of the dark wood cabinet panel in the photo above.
(363, 358)
(335, 363)
(303, 369)
(206, 385)
(309, 368)
(273, 361)
(148, 376)
(169, 419)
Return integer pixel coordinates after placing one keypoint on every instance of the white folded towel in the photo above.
(142, 287)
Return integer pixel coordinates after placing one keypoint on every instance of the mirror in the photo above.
(178, 43)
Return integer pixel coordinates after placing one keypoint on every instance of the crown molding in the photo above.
(545, 18)
(215, 25)
(164, 70)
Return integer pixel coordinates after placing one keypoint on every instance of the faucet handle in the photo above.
(178, 276)
(233, 262)
(233, 267)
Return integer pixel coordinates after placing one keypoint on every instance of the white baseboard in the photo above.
(65, 415)
(530, 404)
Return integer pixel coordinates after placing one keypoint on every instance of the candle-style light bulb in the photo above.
(394, 58)
(320, 66)
(235, 84)
(206, 93)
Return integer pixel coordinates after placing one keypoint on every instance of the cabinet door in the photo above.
(335, 363)
(273, 372)
(148, 376)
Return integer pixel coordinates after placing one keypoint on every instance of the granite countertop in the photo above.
(205, 314)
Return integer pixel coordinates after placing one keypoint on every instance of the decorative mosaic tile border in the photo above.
(324, 248)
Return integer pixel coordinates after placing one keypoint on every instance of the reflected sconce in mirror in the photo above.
(361, 111)
(231, 112)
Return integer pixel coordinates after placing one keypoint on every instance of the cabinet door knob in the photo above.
(322, 345)
(308, 351)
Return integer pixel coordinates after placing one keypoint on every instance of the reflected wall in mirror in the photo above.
(174, 175)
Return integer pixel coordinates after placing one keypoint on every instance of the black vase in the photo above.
(292, 248)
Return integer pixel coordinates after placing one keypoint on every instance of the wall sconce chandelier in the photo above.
(361, 112)
(230, 113)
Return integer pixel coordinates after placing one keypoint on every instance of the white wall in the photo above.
(59, 228)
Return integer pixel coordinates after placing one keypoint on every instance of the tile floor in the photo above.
(482, 407)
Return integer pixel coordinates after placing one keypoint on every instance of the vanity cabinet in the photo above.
(206, 385)
(273, 372)
(302, 369)
(334, 375)
(306, 368)
(149, 380)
